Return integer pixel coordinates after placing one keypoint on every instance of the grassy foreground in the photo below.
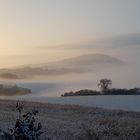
(69, 122)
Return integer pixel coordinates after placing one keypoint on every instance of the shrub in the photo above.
(25, 127)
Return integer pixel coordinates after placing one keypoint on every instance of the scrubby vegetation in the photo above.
(25, 127)
(13, 90)
(86, 92)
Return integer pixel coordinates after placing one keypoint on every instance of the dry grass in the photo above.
(69, 122)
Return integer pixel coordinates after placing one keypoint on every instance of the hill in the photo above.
(80, 64)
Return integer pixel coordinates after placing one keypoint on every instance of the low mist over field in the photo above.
(115, 58)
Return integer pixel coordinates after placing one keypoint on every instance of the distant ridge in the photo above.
(80, 64)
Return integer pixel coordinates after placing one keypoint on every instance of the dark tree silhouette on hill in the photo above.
(105, 85)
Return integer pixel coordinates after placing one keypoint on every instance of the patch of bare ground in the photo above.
(69, 122)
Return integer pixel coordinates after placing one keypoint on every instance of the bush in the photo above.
(25, 127)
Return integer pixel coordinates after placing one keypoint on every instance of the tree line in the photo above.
(105, 86)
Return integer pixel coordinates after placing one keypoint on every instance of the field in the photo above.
(69, 122)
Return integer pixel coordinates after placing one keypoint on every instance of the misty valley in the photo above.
(48, 82)
(69, 70)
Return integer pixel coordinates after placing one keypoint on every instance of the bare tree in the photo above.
(105, 85)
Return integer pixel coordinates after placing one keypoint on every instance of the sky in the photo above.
(37, 31)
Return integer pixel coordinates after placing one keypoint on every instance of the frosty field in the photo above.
(69, 122)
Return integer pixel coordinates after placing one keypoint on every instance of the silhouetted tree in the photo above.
(105, 85)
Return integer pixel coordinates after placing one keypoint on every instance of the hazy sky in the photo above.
(29, 28)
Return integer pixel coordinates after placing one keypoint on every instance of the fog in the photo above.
(82, 66)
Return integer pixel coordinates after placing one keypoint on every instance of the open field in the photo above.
(69, 122)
